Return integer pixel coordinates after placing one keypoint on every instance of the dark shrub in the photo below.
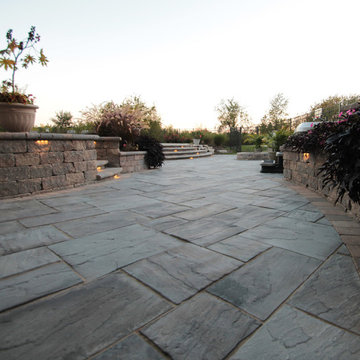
(154, 157)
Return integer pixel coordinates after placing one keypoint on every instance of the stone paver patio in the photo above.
(202, 259)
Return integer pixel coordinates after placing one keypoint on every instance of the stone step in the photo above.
(188, 156)
(108, 173)
(101, 164)
(184, 151)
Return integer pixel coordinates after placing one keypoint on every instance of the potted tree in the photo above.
(17, 109)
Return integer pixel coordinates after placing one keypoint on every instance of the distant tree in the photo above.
(275, 118)
(63, 119)
(331, 106)
(231, 114)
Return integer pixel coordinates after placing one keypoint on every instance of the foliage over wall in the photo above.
(339, 141)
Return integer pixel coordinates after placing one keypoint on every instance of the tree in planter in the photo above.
(19, 53)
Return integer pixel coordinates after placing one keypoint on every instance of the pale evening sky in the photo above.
(184, 56)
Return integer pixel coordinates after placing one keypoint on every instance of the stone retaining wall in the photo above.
(132, 161)
(303, 170)
(107, 148)
(252, 155)
(32, 162)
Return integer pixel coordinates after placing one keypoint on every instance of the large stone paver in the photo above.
(202, 328)
(96, 255)
(262, 285)
(333, 294)
(306, 238)
(80, 322)
(291, 334)
(181, 272)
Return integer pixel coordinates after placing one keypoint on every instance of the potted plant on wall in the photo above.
(17, 109)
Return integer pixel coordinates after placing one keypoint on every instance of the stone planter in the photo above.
(17, 117)
(196, 142)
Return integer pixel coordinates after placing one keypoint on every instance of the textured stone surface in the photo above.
(201, 328)
(98, 224)
(181, 272)
(203, 211)
(240, 247)
(134, 348)
(262, 285)
(36, 283)
(80, 322)
(25, 260)
(333, 294)
(99, 254)
(160, 210)
(306, 238)
(204, 232)
(291, 334)
(30, 238)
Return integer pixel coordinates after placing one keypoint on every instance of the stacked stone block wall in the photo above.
(305, 171)
(32, 162)
(132, 161)
(108, 148)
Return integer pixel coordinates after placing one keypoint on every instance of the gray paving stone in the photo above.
(239, 247)
(279, 204)
(99, 223)
(59, 217)
(163, 223)
(30, 238)
(249, 216)
(333, 294)
(324, 221)
(13, 210)
(134, 348)
(306, 238)
(36, 283)
(203, 211)
(9, 227)
(343, 250)
(123, 203)
(98, 254)
(305, 215)
(80, 322)
(159, 210)
(291, 334)
(204, 232)
(181, 272)
(25, 260)
(201, 328)
(260, 286)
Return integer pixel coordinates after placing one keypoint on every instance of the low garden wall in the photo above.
(108, 148)
(132, 161)
(32, 162)
(303, 169)
(256, 155)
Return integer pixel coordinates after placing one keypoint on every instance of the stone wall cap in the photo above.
(45, 136)
(109, 138)
(128, 153)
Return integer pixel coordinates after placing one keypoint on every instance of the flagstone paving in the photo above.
(201, 259)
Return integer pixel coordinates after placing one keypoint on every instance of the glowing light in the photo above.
(197, 153)
(306, 156)
(175, 150)
(116, 177)
(99, 168)
(191, 158)
(94, 142)
(42, 142)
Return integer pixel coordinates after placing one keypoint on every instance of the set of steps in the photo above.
(186, 151)
(104, 172)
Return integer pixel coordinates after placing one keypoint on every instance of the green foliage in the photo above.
(154, 153)
(20, 53)
(63, 120)
(16, 96)
(339, 141)
(254, 139)
(231, 114)
(220, 139)
(171, 135)
(275, 118)
(278, 138)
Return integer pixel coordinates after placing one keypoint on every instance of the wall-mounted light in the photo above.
(191, 158)
(306, 157)
(116, 177)
(42, 142)
(175, 150)
(99, 168)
